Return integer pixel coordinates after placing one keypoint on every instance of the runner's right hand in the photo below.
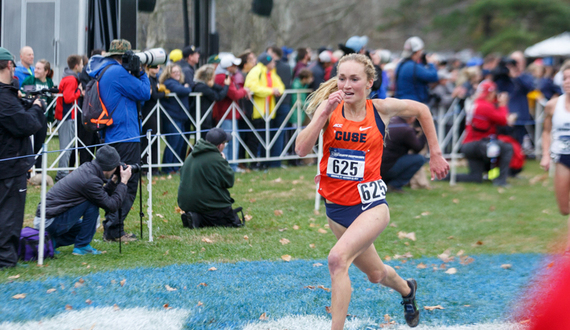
(333, 101)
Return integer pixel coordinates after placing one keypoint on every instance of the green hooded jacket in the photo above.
(204, 180)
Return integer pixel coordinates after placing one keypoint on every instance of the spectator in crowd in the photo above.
(205, 179)
(25, 66)
(415, 72)
(214, 60)
(467, 81)
(318, 68)
(157, 92)
(265, 85)
(42, 79)
(248, 62)
(71, 90)
(518, 85)
(398, 164)
(72, 204)
(204, 83)
(191, 56)
(17, 124)
(175, 56)
(302, 81)
(481, 129)
(283, 70)
(303, 58)
(354, 45)
(380, 58)
(546, 83)
(228, 69)
(88, 138)
(173, 79)
(441, 93)
(120, 91)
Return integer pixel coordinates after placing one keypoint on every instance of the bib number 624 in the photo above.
(372, 191)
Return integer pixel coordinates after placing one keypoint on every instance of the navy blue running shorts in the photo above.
(564, 160)
(345, 215)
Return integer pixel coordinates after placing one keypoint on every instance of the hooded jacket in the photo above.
(235, 93)
(263, 98)
(16, 126)
(171, 104)
(486, 118)
(204, 180)
(69, 87)
(120, 91)
(412, 80)
(22, 73)
(84, 184)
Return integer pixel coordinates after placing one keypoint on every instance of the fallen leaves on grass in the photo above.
(431, 308)
(207, 240)
(245, 237)
(286, 257)
(68, 307)
(178, 210)
(19, 296)
(160, 215)
(313, 225)
(455, 200)
(282, 229)
(88, 301)
(169, 288)
(51, 290)
(411, 236)
(460, 253)
(538, 178)
(316, 212)
(312, 246)
(252, 200)
(295, 227)
(211, 269)
(322, 231)
(116, 307)
(405, 255)
(310, 287)
(466, 260)
(165, 193)
(328, 309)
(323, 287)
(263, 317)
(387, 258)
(278, 180)
(165, 306)
(421, 265)
(451, 271)
(200, 303)
(123, 282)
(445, 256)
(426, 213)
(248, 217)
(492, 208)
(506, 266)
(284, 241)
(393, 225)
(203, 284)
(278, 212)
(14, 277)
(317, 264)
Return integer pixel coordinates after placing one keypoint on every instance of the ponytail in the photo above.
(47, 68)
(321, 94)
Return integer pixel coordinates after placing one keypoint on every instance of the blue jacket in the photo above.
(22, 73)
(518, 88)
(172, 106)
(120, 91)
(413, 79)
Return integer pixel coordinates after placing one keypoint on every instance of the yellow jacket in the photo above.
(263, 98)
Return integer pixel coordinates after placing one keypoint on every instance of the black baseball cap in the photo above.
(189, 50)
(217, 136)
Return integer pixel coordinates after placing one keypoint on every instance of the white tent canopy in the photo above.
(556, 46)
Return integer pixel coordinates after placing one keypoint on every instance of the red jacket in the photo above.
(234, 94)
(69, 88)
(486, 118)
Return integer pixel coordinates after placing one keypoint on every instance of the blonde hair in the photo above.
(204, 73)
(167, 73)
(565, 66)
(331, 86)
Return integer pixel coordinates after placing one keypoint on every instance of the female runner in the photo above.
(350, 180)
(556, 140)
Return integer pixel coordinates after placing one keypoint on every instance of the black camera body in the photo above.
(131, 63)
(135, 168)
(501, 72)
(32, 94)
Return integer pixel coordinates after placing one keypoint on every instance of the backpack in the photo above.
(29, 241)
(95, 116)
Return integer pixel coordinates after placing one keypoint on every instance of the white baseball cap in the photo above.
(412, 45)
(228, 60)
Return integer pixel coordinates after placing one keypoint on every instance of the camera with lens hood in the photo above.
(132, 61)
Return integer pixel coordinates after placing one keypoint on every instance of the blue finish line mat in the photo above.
(480, 294)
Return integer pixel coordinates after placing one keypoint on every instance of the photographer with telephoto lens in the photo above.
(17, 124)
(122, 84)
(72, 205)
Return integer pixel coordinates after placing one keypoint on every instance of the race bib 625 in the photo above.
(346, 164)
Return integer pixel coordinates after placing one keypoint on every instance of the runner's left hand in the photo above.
(438, 167)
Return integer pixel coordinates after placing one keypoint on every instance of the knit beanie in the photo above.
(108, 158)
(264, 58)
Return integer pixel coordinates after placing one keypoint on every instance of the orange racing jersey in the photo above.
(352, 154)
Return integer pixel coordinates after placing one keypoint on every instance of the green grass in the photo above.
(523, 218)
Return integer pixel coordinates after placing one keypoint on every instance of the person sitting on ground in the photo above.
(398, 165)
(72, 204)
(481, 129)
(204, 181)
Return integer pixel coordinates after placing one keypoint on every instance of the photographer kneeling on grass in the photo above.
(72, 205)
(204, 181)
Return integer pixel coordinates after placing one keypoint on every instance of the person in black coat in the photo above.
(17, 124)
(72, 204)
(151, 121)
(204, 83)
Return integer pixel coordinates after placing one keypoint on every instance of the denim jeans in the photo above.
(228, 150)
(68, 228)
(277, 148)
(176, 142)
(66, 133)
(403, 170)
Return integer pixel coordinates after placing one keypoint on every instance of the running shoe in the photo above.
(411, 311)
(88, 249)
